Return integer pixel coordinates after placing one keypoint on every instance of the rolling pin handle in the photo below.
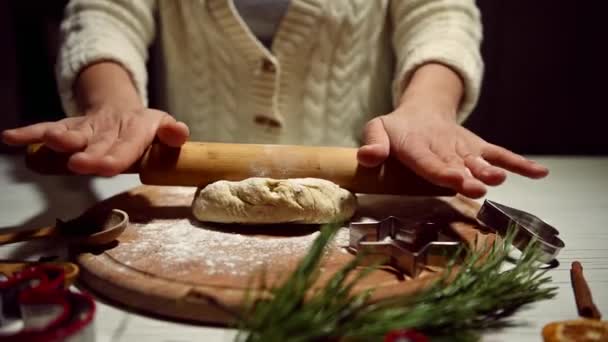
(43, 160)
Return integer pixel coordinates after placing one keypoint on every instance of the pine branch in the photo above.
(479, 296)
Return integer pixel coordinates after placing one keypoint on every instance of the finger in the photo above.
(452, 160)
(472, 187)
(428, 165)
(506, 159)
(467, 172)
(468, 185)
(125, 151)
(29, 134)
(87, 161)
(64, 140)
(172, 132)
(484, 171)
(376, 144)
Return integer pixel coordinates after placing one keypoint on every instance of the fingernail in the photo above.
(535, 163)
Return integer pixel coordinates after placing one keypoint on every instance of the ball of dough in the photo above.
(266, 200)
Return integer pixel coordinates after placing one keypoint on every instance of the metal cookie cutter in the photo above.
(500, 217)
(407, 247)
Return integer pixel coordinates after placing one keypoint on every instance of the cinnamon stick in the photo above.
(582, 293)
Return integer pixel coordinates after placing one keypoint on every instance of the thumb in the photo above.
(376, 146)
(171, 132)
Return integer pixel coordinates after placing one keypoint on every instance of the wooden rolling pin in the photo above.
(198, 164)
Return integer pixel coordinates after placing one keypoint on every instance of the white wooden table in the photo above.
(574, 198)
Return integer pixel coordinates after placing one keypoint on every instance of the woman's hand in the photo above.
(441, 151)
(104, 142)
(423, 134)
(114, 129)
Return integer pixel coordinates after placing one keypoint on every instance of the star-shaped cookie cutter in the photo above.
(408, 247)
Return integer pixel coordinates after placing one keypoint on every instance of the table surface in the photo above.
(573, 198)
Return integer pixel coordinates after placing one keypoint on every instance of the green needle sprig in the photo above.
(465, 300)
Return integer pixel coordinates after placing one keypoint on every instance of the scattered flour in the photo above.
(182, 248)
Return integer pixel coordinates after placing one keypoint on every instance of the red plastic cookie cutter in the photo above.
(48, 312)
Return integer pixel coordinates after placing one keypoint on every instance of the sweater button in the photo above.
(264, 120)
(268, 66)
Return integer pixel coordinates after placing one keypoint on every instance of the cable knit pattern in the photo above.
(312, 115)
(200, 91)
(223, 84)
(343, 82)
(333, 65)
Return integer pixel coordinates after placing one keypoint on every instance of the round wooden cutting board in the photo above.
(168, 264)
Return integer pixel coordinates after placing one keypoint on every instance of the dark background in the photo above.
(542, 90)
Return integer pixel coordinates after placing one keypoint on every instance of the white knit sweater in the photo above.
(333, 65)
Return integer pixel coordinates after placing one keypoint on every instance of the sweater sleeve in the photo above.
(104, 30)
(441, 31)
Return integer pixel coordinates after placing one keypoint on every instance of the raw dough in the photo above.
(266, 200)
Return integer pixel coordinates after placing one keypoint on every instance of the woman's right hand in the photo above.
(114, 130)
(105, 142)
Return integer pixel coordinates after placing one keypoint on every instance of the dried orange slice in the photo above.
(580, 330)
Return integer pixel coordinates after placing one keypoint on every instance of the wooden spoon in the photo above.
(91, 229)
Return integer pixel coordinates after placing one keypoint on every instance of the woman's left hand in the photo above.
(440, 150)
